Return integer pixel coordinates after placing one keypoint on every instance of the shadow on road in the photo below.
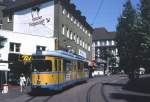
(141, 85)
(114, 84)
(132, 91)
(130, 97)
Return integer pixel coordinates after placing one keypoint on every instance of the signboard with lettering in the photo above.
(36, 20)
(82, 53)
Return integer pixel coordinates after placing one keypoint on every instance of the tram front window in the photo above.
(41, 66)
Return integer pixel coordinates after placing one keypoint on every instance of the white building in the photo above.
(22, 44)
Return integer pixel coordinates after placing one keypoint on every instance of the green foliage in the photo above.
(128, 40)
(144, 30)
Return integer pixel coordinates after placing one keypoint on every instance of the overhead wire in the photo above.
(98, 10)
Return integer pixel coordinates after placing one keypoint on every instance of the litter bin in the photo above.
(5, 88)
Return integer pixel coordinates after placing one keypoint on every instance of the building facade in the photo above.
(51, 18)
(104, 49)
(34, 25)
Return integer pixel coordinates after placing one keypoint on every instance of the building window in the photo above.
(98, 43)
(81, 27)
(68, 15)
(40, 48)
(10, 18)
(14, 47)
(74, 37)
(78, 40)
(75, 21)
(112, 42)
(64, 11)
(78, 24)
(67, 32)
(72, 18)
(107, 43)
(93, 45)
(89, 34)
(89, 48)
(83, 44)
(1, 24)
(103, 43)
(63, 29)
(71, 35)
(86, 31)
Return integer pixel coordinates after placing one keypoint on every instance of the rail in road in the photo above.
(101, 90)
(39, 99)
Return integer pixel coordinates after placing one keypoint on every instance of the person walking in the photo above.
(22, 82)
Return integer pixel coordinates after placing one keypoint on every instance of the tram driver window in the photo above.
(42, 66)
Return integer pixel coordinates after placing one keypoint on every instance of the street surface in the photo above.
(99, 89)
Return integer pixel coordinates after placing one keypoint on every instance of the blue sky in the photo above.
(108, 14)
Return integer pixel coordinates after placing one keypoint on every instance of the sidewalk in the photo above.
(13, 92)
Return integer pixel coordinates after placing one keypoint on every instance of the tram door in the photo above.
(58, 66)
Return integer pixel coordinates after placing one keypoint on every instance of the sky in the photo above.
(108, 14)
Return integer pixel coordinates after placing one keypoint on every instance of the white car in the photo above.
(97, 73)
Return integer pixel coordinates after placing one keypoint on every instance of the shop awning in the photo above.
(4, 67)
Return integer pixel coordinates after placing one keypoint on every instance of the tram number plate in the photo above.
(67, 76)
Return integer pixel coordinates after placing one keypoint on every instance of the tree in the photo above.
(128, 40)
(2, 40)
(144, 30)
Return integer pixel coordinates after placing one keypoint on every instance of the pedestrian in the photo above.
(22, 82)
(90, 71)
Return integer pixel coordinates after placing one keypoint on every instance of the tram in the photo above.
(56, 70)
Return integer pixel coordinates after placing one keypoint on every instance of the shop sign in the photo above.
(26, 58)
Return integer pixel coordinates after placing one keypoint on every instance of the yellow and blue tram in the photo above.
(56, 70)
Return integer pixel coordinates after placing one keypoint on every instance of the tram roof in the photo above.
(60, 53)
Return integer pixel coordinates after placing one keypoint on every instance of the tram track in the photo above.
(88, 95)
(102, 90)
(39, 99)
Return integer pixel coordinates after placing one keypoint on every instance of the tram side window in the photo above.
(85, 66)
(41, 66)
(80, 66)
(67, 65)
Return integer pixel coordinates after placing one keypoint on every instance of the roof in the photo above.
(60, 53)
(21, 4)
(103, 34)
